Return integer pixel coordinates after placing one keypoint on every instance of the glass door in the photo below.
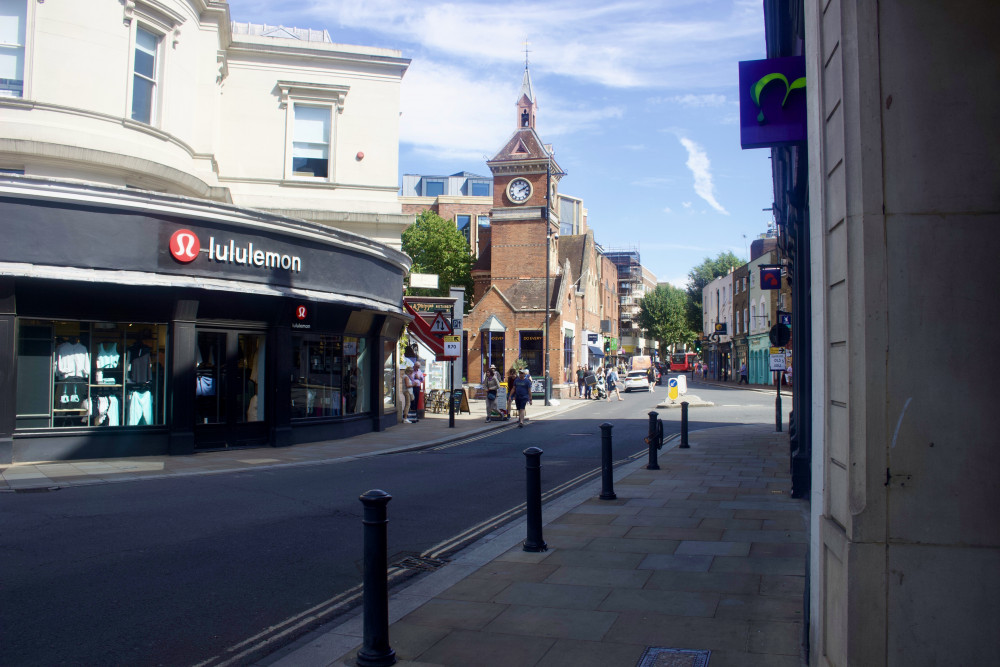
(230, 409)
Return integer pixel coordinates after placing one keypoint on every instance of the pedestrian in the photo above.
(418, 386)
(511, 376)
(492, 385)
(613, 384)
(522, 395)
(587, 387)
(580, 373)
(407, 395)
(704, 370)
(743, 373)
(651, 376)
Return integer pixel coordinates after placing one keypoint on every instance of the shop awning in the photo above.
(421, 330)
(596, 351)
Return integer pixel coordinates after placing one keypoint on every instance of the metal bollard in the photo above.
(684, 426)
(653, 441)
(533, 466)
(607, 492)
(376, 652)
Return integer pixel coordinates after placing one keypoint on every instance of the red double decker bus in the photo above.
(683, 362)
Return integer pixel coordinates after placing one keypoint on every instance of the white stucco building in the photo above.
(201, 231)
(170, 96)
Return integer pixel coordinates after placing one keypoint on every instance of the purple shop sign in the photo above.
(772, 102)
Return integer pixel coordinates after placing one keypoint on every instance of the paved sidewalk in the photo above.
(430, 431)
(706, 554)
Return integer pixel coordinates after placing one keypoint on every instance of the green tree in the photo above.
(701, 275)
(663, 314)
(436, 246)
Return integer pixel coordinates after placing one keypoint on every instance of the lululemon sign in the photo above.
(185, 246)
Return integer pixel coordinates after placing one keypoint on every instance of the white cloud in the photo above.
(701, 169)
(452, 115)
(668, 210)
(620, 44)
(695, 101)
(686, 204)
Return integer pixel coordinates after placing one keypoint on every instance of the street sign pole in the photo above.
(777, 402)
(451, 396)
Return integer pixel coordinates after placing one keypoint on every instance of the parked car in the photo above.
(636, 380)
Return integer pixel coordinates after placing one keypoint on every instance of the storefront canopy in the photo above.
(596, 351)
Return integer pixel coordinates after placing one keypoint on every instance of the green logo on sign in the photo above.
(758, 87)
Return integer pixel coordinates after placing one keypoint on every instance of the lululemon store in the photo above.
(138, 324)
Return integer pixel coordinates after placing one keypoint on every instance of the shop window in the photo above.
(532, 347)
(330, 376)
(74, 374)
(492, 352)
(145, 72)
(388, 376)
(13, 15)
(568, 373)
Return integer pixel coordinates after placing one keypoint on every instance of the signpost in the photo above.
(452, 350)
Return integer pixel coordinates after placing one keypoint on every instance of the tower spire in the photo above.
(526, 98)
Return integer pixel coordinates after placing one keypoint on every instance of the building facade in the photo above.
(717, 313)
(464, 198)
(538, 294)
(195, 289)
(894, 186)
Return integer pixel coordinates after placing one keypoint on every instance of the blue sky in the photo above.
(638, 98)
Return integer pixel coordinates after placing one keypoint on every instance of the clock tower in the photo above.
(525, 179)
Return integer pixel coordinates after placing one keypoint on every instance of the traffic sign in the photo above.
(452, 346)
(441, 325)
(784, 318)
(779, 335)
(777, 360)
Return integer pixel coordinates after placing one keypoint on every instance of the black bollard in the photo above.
(653, 441)
(533, 466)
(607, 492)
(684, 426)
(376, 652)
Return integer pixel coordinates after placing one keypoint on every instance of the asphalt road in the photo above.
(192, 570)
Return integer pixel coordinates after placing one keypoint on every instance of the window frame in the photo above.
(155, 80)
(20, 47)
(314, 95)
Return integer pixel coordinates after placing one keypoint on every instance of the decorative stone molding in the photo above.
(313, 92)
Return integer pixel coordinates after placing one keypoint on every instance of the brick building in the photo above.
(464, 198)
(526, 261)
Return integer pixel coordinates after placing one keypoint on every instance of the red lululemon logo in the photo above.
(185, 246)
(300, 312)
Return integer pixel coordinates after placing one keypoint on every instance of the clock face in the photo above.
(519, 190)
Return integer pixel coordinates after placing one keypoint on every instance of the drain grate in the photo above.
(420, 563)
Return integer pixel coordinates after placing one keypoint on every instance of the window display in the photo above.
(75, 374)
(330, 376)
(388, 375)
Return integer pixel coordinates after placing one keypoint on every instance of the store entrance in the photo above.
(230, 392)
